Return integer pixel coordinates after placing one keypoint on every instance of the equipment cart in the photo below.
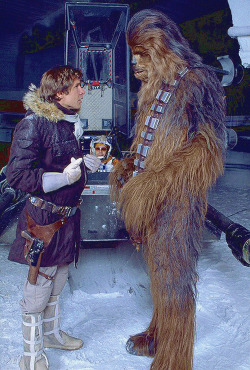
(95, 42)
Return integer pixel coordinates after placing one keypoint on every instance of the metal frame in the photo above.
(123, 20)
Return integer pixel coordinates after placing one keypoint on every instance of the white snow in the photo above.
(107, 298)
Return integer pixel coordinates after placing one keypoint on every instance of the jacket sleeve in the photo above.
(24, 169)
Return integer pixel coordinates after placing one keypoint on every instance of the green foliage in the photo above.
(208, 35)
(209, 38)
(42, 38)
(238, 97)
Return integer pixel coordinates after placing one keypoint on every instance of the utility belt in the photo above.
(38, 237)
(65, 211)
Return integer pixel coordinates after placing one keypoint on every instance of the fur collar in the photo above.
(32, 100)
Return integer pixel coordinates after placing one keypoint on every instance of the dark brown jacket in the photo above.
(44, 142)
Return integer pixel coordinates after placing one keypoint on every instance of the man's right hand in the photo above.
(73, 170)
(92, 162)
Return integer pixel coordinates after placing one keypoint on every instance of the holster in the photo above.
(37, 238)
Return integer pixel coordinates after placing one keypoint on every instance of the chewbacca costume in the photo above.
(177, 154)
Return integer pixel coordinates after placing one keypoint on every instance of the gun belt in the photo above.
(65, 211)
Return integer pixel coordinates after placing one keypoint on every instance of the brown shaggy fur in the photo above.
(165, 205)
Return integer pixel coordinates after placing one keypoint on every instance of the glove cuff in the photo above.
(54, 180)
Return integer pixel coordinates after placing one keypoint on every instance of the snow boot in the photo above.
(34, 357)
(54, 337)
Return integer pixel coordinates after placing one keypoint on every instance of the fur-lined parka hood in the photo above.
(32, 100)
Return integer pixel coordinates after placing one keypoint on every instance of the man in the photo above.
(177, 154)
(46, 162)
(101, 148)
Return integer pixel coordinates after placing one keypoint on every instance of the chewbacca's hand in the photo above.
(120, 174)
(122, 171)
(128, 168)
(128, 164)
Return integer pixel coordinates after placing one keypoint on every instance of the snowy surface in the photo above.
(107, 298)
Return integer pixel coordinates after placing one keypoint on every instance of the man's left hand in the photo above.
(92, 162)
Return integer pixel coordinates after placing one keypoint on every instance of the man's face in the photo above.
(141, 63)
(100, 150)
(73, 99)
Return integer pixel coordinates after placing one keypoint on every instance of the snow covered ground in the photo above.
(107, 298)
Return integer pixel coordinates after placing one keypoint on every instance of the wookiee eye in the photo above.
(141, 53)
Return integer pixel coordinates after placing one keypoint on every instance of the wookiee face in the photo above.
(142, 63)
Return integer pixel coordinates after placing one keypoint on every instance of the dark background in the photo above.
(32, 34)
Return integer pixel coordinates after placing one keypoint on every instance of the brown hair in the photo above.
(58, 79)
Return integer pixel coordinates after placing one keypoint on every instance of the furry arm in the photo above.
(120, 174)
(184, 160)
(187, 172)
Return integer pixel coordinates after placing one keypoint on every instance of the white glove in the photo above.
(54, 180)
(73, 170)
(92, 162)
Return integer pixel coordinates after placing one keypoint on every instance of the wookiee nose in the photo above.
(134, 62)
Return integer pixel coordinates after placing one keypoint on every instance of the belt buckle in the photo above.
(67, 211)
(32, 199)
